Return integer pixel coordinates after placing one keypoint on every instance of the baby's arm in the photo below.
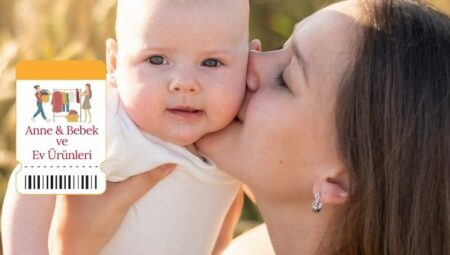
(25, 221)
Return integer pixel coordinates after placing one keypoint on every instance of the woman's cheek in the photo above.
(263, 112)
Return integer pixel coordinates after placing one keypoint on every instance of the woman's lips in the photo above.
(186, 113)
(239, 118)
(241, 114)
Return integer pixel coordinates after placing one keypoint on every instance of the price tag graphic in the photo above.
(60, 127)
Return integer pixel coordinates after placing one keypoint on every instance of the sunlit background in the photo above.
(70, 29)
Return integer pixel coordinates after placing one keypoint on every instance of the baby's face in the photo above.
(181, 65)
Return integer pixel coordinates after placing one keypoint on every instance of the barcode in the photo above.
(60, 182)
(65, 181)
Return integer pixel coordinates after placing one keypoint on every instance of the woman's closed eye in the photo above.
(279, 80)
(157, 60)
(212, 62)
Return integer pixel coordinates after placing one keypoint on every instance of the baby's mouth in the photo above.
(187, 109)
(186, 112)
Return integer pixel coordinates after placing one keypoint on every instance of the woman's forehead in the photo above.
(326, 41)
(342, 11)
(330, 30)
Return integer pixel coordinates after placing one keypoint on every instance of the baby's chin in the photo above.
(181, 134)
(182, 137)
(182, 141)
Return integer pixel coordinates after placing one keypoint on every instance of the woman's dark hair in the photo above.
(393, 129)
(88, 85)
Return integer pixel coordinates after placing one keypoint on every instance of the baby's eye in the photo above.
(211, 62)
(157, 60)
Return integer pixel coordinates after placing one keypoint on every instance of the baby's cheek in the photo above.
(226, 108)
(129, 96)
(141, 97)
(144, 120)
(143, 112)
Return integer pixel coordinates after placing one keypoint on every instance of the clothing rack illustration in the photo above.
(58, 106)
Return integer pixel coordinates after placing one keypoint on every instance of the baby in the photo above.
(177, 72)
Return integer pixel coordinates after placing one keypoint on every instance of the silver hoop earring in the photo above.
(316, 204)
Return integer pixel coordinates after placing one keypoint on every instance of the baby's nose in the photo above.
(184, 87)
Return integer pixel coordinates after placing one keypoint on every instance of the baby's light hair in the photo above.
(121, 7)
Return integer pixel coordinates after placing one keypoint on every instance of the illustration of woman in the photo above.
(39, 99)
(86, 105)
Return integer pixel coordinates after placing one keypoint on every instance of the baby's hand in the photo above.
(83, 224)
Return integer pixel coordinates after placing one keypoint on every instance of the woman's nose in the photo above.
(263, 67)
(252, 71)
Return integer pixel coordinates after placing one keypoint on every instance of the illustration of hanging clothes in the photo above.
(68, 102)
(78, 96)
(57, 101)
(64, 101)
(65, 98)
(72, 98)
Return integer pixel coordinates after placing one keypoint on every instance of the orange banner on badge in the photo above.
(61, 70)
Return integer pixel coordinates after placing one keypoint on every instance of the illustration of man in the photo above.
(40, 109)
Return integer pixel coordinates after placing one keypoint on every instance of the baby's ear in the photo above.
(255, 45)
(333, 187)
(111, 60)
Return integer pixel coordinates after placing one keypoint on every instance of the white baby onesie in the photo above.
(182, 214)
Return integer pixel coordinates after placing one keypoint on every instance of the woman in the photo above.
(342, 138)
(357, 122)
(86, 105)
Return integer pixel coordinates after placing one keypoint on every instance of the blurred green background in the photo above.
(70, 29)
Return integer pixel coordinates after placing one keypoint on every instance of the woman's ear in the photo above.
(111, 60)
(333, 187)
(255, 45)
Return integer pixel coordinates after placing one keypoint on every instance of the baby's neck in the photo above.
(193, 149)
